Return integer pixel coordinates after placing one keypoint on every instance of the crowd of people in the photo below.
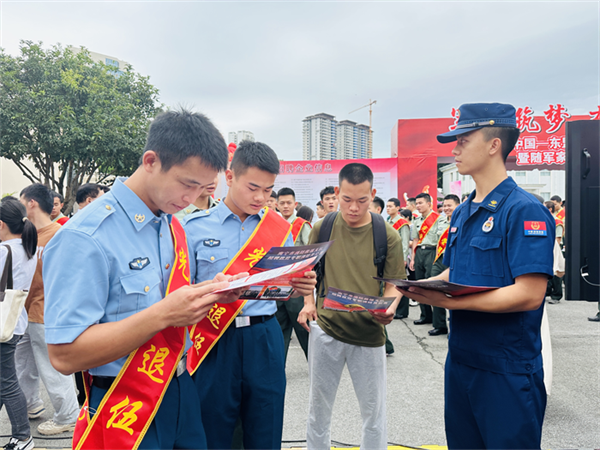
(130, 291)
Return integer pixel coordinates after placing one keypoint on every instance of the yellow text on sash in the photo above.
(156, 364)
(124, 415)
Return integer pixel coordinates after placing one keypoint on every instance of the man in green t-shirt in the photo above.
(356, 339)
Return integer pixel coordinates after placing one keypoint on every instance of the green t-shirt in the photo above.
(349, 266)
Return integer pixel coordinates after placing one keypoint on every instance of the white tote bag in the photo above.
(11, 301)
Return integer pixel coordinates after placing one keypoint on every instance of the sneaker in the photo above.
(16, 444)
(411, 302)
(51, 427)
(36, 412)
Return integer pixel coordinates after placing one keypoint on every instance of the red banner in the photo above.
(540, 146)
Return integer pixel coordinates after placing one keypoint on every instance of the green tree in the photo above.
(72, 117)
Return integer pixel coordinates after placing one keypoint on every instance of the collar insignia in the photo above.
(139, 263)
(139, 218)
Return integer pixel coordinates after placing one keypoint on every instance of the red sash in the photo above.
(132, 401)
(272, 228)
(561, 215)
(427, 225)
(441, 245)
(297, 226)
(400, 223)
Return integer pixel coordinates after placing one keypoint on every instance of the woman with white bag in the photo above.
(19, 240)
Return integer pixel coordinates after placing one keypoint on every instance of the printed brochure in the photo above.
(339, 300)
(271, 276)
(450, 289)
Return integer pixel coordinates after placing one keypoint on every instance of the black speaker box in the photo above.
(582, 221)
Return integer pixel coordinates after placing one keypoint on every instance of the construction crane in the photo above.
(370, 104)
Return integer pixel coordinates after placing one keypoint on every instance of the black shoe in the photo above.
(595, 318)
(438, 331)
(401, 316)
(422, 322)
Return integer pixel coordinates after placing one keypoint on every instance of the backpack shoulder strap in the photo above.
(327, 226)
(380, 243)
(324, 235)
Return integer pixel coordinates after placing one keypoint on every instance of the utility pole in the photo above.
(370, 104)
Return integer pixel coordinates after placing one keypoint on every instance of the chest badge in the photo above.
(488, 225)
(139, 263)
(212, 243)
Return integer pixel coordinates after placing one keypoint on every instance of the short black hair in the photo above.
(286, 191)
(406, 213)
(507, 135)
(453, 197)
(60, 198)
(465, 196)
(274, 194)
(411, 200)
(254, 154)
(379, 202)
(356, 173)
(320, 204)
(178, 135)
(550, 205)
(556, 198)
(424, 195)
(87, 190)
(395, 201)
(326, 191)
(41, 194)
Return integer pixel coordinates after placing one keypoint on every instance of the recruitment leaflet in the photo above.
(271, 276)
(450, 289)
(339, 300)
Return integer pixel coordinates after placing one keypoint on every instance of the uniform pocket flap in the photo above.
(212, 255)
(486, 242)
(140, 283)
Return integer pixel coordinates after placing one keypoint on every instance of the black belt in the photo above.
(103, 382)
(247, 321)
(426, 247)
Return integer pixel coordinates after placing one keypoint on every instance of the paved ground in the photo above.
(415, 388)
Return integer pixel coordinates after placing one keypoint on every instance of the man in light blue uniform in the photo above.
(500, 237)
(244, 373)
(118, 255)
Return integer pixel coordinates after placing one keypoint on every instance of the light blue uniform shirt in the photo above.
(110, 261)
(215, 236)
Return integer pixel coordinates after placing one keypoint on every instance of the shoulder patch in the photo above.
(535, 228)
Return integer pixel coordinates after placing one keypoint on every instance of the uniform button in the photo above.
(167, 266)
(108, 207)
(160, 234)
(147, 288)
(212, 258)
(242, 228)
(528, 367)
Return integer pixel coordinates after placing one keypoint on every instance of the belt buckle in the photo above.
(242, 321)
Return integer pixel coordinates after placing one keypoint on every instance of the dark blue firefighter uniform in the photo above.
(494, 391)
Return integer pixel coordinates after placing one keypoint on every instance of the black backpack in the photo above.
(379, 241)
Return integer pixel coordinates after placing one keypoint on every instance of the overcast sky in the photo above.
(264, 66)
